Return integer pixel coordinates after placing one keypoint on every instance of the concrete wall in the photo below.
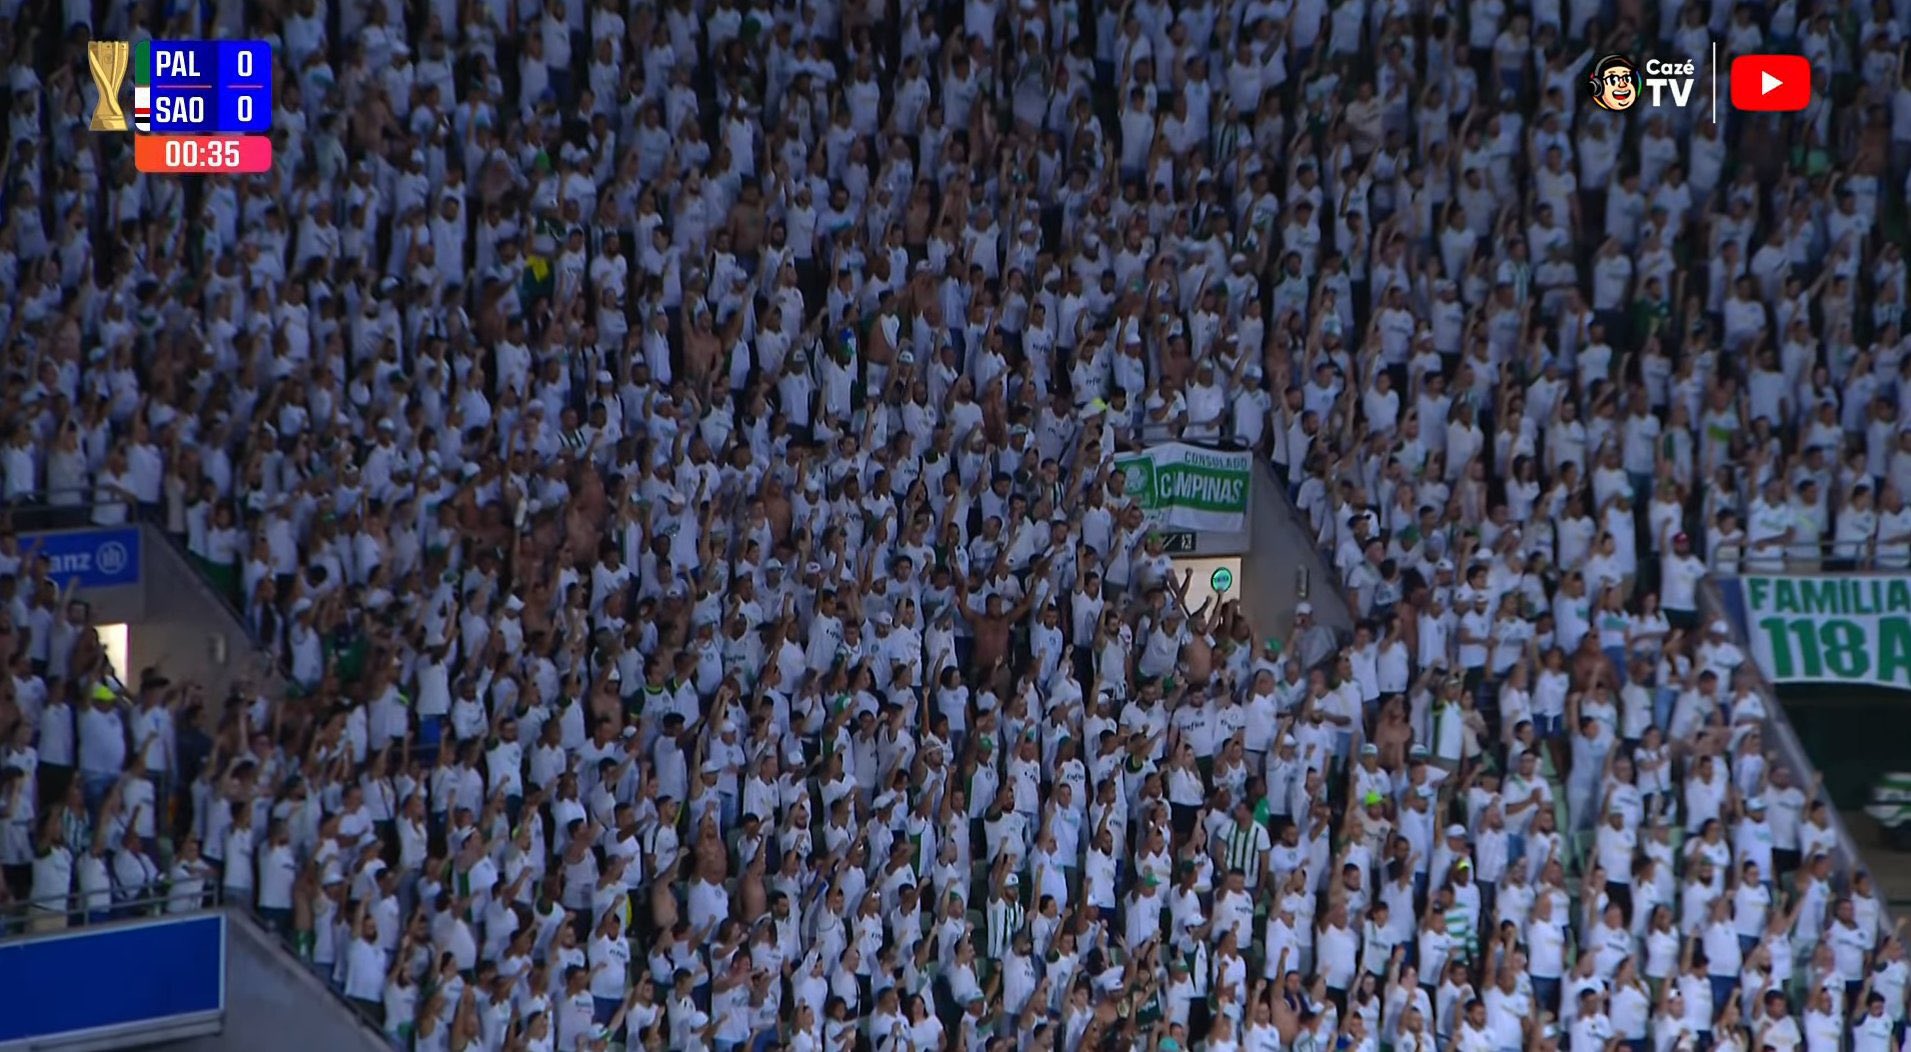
(275, 1002)
(1282, 566)
(186, 630)
(116, 606)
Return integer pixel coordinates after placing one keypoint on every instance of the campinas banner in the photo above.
(1184, 487)
(1847, 629)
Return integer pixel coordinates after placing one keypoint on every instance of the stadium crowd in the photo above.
(665, 453)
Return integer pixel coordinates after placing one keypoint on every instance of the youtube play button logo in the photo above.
(1771, 83)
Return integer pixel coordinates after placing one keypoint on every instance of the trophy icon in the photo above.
(108, 59)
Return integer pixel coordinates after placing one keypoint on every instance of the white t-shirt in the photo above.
(610, 967)
(1546, 942)
(365, 971)
(1679, 583)
(1872, 1032)
(278, 869)
(1629, 1012)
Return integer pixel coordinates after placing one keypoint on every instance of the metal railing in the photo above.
(1823, 557)
(23, 919)
(65, 912)
(44, 515)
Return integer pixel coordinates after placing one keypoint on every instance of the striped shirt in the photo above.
(1243, 847)
(1460, 930)
(1005, 918)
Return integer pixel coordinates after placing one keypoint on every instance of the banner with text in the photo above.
(1183, 487)
(104, 558)
(1846, 629)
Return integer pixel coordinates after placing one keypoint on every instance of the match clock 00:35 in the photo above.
(202, 154)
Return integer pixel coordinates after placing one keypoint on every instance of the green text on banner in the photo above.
(1851, 629)
(1183, 487)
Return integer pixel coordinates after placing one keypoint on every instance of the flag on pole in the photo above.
(142, 86)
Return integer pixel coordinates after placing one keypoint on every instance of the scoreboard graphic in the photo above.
(199, 106)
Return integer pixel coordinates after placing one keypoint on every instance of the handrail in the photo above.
(1780, 733)
(1823, 557)
(86, 494)
(16, 913)
(44, 516)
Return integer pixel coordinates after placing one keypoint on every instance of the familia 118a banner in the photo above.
(1843, 629)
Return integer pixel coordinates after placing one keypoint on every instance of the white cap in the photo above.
(1304, 608)
(1456, 830)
